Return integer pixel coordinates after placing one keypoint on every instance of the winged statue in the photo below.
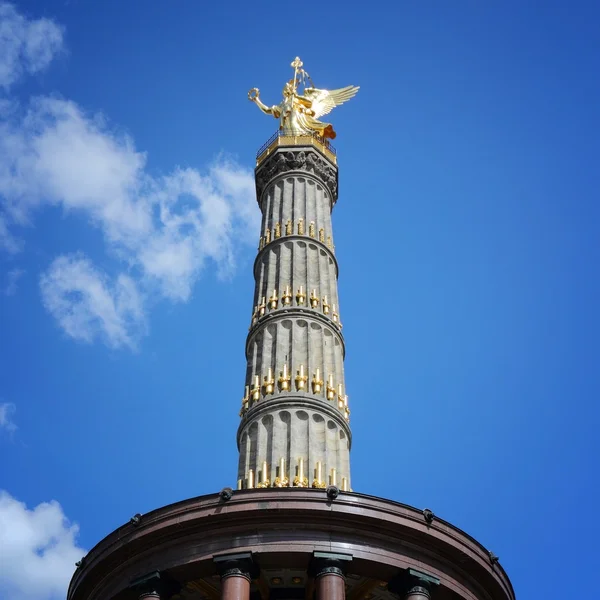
(299, 113)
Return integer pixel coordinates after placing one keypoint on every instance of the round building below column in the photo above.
(289, 543)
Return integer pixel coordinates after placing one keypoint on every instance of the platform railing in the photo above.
(284, 138)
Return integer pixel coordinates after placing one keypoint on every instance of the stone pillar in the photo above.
(236, 571)
(235, 585)
(328, 571)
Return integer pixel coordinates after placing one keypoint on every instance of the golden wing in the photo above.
(324, 101)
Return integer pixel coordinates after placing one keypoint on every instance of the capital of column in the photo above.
(154, 586)
(418, 592)
(236, 565)
(329, 563)
(413, 585)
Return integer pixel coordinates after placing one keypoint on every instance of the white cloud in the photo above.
(26, 46)
(7, 410)
(165, 230)
(12, 278)
(88, 306)
(38, 550)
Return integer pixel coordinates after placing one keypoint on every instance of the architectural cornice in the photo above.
(294, 160)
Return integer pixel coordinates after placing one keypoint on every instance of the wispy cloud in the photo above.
(12, 279)
(41, 550)
(165, 230)
(88, 306)
(7, 410)
(26, 46)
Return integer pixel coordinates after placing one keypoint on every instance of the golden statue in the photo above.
(298, 113)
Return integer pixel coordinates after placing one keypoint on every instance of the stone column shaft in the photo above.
(295, 416)
(330, 586)
(235, 587)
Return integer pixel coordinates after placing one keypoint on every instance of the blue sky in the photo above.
(466, 230)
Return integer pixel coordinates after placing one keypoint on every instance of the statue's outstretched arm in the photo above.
(253, 95)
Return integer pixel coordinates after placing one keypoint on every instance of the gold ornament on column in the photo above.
(330, 389)
(325, 305)
(255, 316)
(262, 307)
(317, 383)
(255, 391)
(267, 236)
(245, 400)
(300, 297)
(301, 379)
(273, 300)
(264, 476)
(301, 227)
(329, 242)
(318, 480)
(333, 477)
(300, 480)
(281, 480)
(250, 479)
(311, 229)
(334, 315)
(322, 235)
(340, 396)
(289, 228)
(284, 380)
(277, 230)
(286, 297)
(344, 484)
(261, 243)
(314, 299)
(268, 383)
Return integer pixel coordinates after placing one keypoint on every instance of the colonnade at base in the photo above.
(327, 573)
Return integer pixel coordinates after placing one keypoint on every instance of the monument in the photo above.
(293, 529)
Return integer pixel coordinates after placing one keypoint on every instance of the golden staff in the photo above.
(297, 64)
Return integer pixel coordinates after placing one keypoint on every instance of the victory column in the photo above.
(295, 416)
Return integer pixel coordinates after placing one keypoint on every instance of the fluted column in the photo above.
(295, 415)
